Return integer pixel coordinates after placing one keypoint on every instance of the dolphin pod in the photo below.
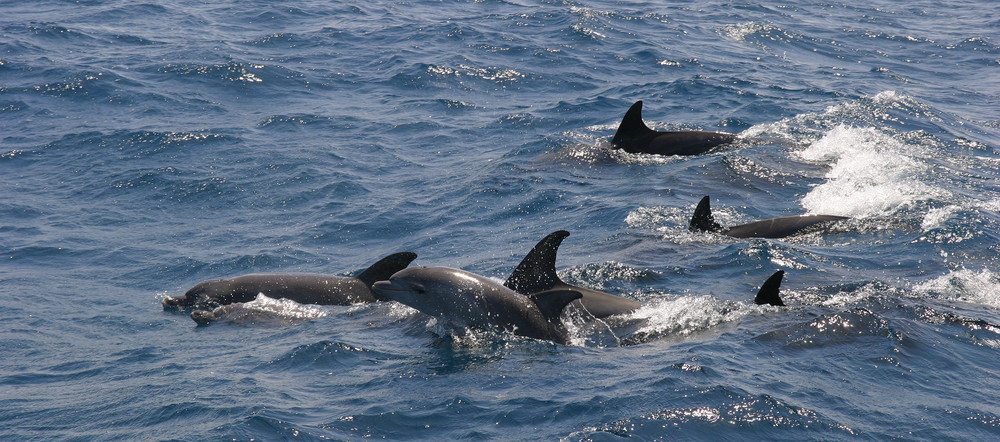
(529, 303)
(634, 136)
(460, 300)
(537, 273)
(532, 299)
(703, 221)
(304, 288)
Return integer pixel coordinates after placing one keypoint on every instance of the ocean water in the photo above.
(146, 146)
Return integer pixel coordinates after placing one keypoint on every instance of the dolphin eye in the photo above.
(419, 289)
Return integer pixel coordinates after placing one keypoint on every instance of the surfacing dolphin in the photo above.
(461, 299)
(634, 136)
(703, 221)
(304, 288)
(537, 273)
(768, 294)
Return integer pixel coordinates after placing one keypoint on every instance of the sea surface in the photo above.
(149, 145)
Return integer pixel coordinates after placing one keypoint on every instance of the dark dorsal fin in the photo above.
(386, 267)
(768, 293)
(703, 221)
(537, 271)
(552, 302)
(632, 125)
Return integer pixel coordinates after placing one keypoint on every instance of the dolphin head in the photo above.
(204, 294)
(198, 294)
(436, 291)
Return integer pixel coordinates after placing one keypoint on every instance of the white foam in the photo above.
(686, 315)
(285, 308)
(937, 217)
(871, 173)
(980, 287)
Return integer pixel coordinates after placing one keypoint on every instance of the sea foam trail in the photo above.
(872, 173)
(981, 287)
(264, 309)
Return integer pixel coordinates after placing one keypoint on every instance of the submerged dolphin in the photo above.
(703, 221)
(304, 288)
(537, 273)
(463, 299)
(634, 136)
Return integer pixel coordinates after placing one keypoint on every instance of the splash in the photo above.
(872, 174)
(601, 276)
(982, 287)
(268, 310)
(684, 316)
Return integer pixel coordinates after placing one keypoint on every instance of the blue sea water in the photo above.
(146, 146)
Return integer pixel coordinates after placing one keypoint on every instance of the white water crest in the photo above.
(980, 287)
(872, 173)
(266, 309)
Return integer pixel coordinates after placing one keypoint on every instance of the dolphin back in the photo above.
(780, 227)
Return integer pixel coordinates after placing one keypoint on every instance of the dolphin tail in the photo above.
(386, 267)
(768, 293)
(703, 221)
(632, 125)
(552, 302)
(537, 271)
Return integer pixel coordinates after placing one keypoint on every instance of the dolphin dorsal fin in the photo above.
(632, 125)
(552, 302)
(703, 221)
(386, 267)
(768, 293)
(537, 271)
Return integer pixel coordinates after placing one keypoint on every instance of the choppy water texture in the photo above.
(145, 147)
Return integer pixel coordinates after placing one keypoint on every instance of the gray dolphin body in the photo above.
(703, 221)
(304, 288)
(463, 299)
(537, 273)
(635, 137)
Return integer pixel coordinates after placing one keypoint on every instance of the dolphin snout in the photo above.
(175, 303)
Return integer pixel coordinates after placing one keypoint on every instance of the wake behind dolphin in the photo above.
(634, 136)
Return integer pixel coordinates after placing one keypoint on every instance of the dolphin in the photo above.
(634, 136)
(462, 299)
(537, 273)
(702, 221)
(304, 288)
(768, 294)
